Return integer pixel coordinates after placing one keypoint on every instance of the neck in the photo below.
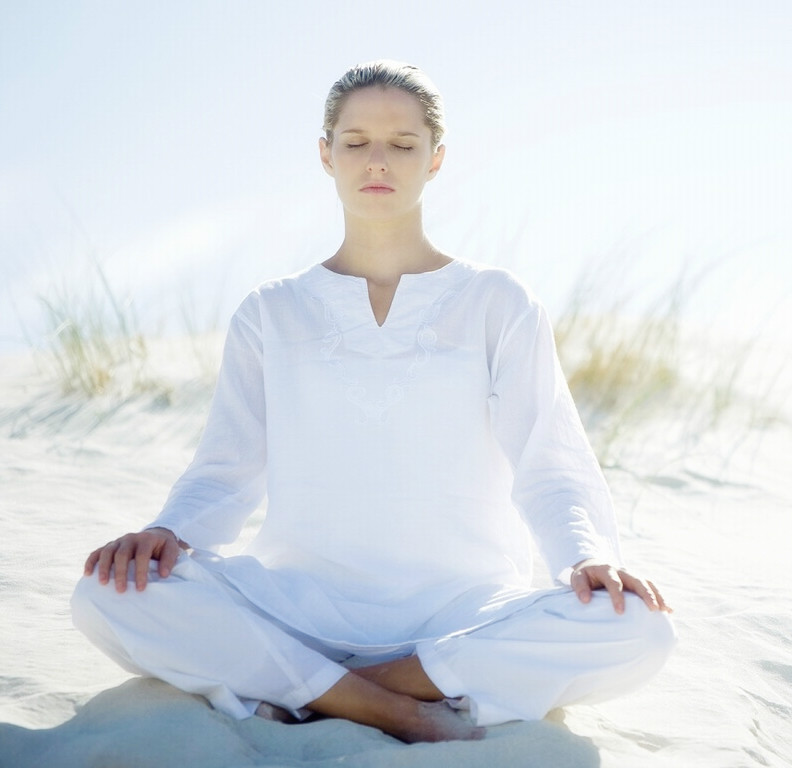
(384, 251)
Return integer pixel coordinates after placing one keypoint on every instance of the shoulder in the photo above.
(283, 287)
(272, 295)
(502, 292)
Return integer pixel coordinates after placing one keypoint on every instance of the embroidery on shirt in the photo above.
(372, 407)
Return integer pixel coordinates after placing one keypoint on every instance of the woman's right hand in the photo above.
(152, 544)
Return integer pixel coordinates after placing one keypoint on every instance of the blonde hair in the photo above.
(387, 74)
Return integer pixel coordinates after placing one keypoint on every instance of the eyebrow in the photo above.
(395, 133)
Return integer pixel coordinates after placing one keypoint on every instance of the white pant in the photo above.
(198, 633)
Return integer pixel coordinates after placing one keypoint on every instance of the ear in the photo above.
(437, 161)
(326, 155)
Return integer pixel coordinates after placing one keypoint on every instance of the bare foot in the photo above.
(437, 721)
(276, 714)
(362, 701)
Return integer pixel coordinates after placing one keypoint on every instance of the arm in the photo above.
(225, 481)
(558, 485)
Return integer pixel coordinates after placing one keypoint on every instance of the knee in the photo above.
(656, 633)
(93, 602)
(91, 596)
(85, 600)
(95, 610)
(664, 636)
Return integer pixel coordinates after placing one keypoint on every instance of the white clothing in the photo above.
(401, 464)
(394, 458)
(199, 633)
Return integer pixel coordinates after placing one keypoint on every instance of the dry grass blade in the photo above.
(626, 368)
(93, 339)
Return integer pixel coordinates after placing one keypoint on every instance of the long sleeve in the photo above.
(558, 487)
(226, 480)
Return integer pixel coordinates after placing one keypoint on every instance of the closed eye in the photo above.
(365, 143)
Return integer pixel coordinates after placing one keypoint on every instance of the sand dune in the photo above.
(712, 525)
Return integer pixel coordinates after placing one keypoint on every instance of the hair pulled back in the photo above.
(385, 73)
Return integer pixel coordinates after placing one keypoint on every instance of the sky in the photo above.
(175, 144)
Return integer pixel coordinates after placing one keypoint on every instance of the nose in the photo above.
(377, 161)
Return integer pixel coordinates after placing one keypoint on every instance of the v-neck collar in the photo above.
(349, 297)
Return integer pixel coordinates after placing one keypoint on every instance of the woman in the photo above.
(406, 416)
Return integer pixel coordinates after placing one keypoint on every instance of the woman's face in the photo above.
(381, 155)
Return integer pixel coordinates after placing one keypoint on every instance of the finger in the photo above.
(582, 586)
(613, 584)
(123, 555)
(662, 604)
(91, 562)
(105, 560)
(143, 551)
(169, 556)
(647, 591)
(642, 589)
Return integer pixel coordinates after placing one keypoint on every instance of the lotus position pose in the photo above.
(405, 415)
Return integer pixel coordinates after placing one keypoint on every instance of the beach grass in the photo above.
(633, 360)
(626, 361)
(93, 340)
(622, 368)
(94, 346)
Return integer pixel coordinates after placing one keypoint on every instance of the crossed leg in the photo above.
(402, 715)
(556, 652)
(405, 676)
(241, 657)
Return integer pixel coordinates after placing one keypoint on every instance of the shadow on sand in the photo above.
(146, 723)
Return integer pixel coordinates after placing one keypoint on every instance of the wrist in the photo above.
(181, 544)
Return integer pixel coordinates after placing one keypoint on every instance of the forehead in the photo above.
(374, 107)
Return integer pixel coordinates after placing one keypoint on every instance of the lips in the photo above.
(377, 188)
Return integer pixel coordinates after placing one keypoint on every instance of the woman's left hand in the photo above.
(595, 574)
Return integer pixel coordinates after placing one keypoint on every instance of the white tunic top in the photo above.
(401, 462)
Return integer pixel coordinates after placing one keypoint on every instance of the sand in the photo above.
(709, 520)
